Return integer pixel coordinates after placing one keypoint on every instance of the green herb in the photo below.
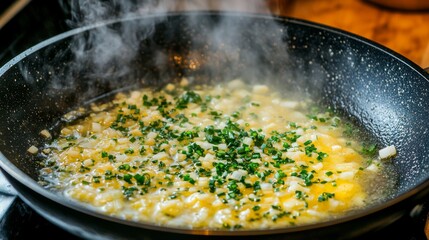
(255, 104)
(309, 149)
(276, 207)
(127, 178)
(96, 179)
(369, 149)
(350, 130)
(188, 178)
(143, 179)
(125, 167)
(129, 191)
(299, 194)
(186, 98)
(325, 196)
(306, 176)
(321, 156)
(256, 208)
(132, 107)
(129, 151)
(70, 137)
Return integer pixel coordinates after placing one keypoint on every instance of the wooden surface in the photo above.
(406, 32)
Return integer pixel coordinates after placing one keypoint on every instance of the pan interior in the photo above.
(374, 88)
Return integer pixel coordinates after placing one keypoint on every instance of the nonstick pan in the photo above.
(378, 89)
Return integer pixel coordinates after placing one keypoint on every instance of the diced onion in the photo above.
(121, 157)
(387, 152)
(46, 134)
(96, 127)
(336, 147)
(170, 87)
(261, 89)
(373, 167)
(184, 82)
(289, 104)
(248, 141)
(33, 150)
(160, 156)
(237, 175)
(266, 186)
(236, 84)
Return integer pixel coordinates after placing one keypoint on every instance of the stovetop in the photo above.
(39, 20)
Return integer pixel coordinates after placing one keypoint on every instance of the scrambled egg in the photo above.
(219, 157)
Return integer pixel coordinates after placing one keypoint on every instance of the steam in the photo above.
(115, 55)
(110, 50)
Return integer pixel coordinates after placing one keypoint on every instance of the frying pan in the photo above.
(375, 87)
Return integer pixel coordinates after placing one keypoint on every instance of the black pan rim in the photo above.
(17, 174)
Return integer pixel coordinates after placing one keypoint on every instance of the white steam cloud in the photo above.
(111, 55)
(109, 50)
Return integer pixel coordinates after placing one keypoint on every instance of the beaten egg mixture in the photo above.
(219, 157)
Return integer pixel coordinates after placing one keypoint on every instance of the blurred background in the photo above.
(396, 24)
(399, 25)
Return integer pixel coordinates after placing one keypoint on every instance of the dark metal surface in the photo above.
(377, 88)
